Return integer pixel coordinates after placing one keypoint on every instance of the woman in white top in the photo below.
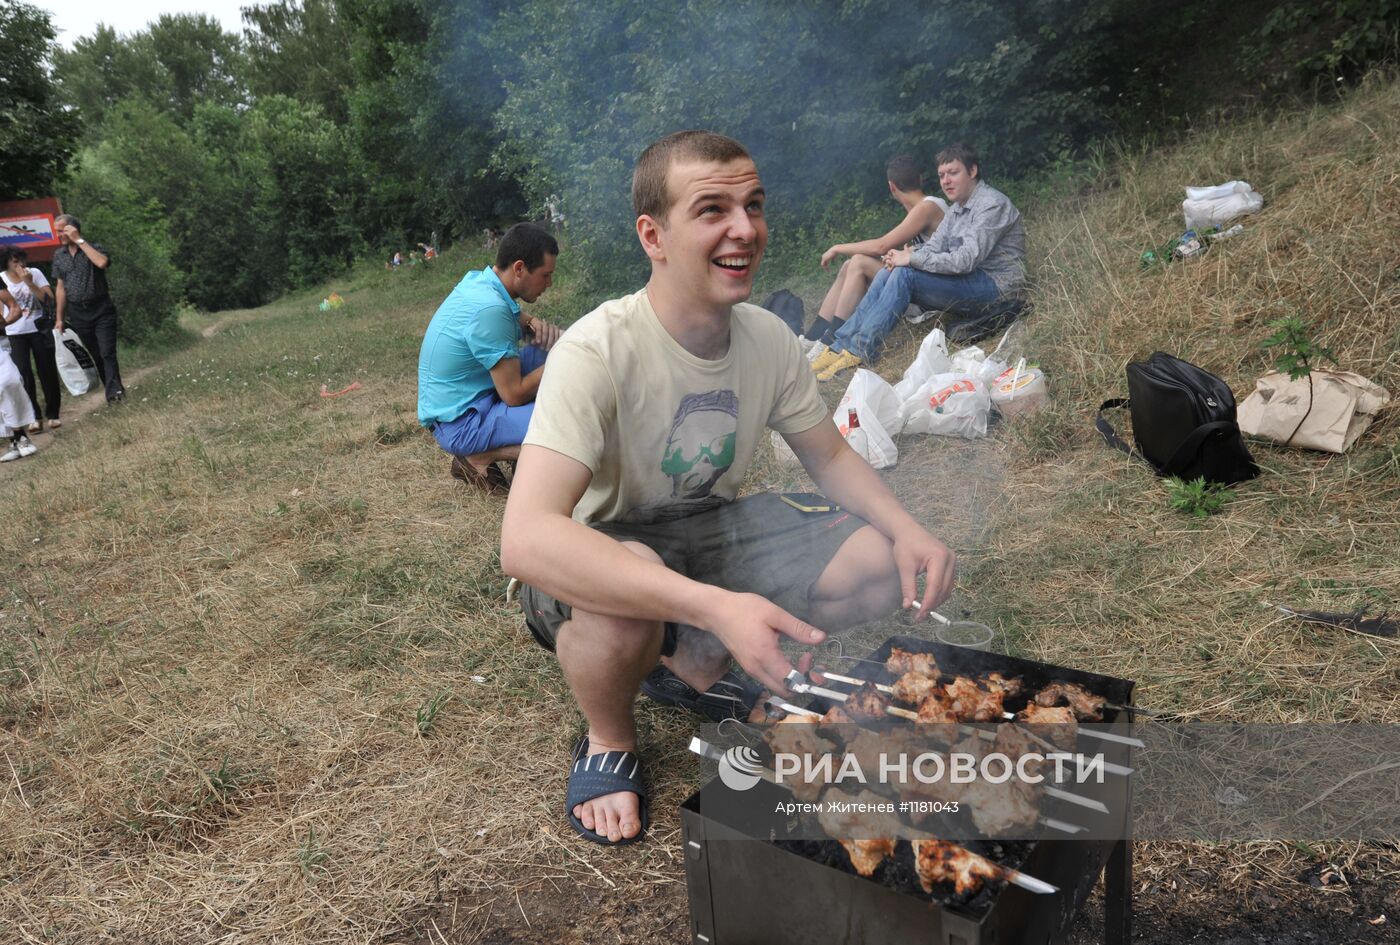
(16, 412)
(30, 333)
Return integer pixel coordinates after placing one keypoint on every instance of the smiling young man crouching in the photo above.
(623, 521)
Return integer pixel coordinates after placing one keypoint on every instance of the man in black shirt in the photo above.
(80, 284)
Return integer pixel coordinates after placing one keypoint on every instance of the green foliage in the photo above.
(1297, 351)
(312, 857)
(36, 133)
(427, 713)
(338, 127)
(145, 284)
(1329, 41)
(1197, 497)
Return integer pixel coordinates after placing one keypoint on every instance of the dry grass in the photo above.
(236, 602)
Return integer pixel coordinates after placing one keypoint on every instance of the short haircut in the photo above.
(961, 152)
(528, 243)
(904, 172)
(650, 194)
(12, 252)
(64, 219)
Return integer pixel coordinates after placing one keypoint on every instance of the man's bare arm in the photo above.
(511, 387)
(925, 214)
(60, 302)
(842, 475)
(542, 545)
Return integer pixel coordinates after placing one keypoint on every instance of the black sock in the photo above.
(818, 328)
(831, 331)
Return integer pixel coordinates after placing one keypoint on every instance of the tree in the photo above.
(37, 135)
(301, 49)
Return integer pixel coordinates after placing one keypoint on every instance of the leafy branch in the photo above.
(1295, 357)
(1297, 350)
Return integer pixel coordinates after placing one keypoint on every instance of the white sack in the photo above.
(75, 365)
(949, 405)
(876, 408)
(16, 412)
(932, 359)
(1205, 207)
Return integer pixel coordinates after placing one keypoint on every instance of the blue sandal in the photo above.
(607, 773)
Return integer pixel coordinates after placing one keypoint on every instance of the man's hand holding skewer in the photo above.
(918, 552)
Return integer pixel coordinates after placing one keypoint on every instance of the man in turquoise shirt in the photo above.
(476, 383)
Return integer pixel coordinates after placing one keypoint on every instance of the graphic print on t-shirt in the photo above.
(700, 447)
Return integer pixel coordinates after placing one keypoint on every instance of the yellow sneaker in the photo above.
(844, 361)
(824, 360)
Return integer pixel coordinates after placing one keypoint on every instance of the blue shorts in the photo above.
(490, 422)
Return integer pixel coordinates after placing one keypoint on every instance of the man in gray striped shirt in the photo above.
(975, 260)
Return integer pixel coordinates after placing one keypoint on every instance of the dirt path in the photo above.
(75, 409)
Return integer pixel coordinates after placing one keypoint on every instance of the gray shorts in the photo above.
(758, 545)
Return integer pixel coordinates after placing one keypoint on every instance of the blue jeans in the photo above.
(490, 422)
(889, 295)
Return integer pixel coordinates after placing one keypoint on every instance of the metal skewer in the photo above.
(1088, 733)
(705, 750)
(1066, 796)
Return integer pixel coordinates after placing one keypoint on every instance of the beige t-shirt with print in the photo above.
(666, 433)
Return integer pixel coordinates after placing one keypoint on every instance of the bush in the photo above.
(145, 285)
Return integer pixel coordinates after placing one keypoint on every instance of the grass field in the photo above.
(258, 682)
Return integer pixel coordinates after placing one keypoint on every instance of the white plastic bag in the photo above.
(932, 359)
(75, 365)
(869, 392)
(950, 405)
(868, 417)
(1205, 207)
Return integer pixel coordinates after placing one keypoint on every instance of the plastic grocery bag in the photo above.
(1327, 414)
(949, 405)
(868, 417)
(75, 365)
(932, 359)
(1205, 207)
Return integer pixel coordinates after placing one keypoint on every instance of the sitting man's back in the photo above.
(476, 382)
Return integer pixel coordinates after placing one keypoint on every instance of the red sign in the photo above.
(29, 225)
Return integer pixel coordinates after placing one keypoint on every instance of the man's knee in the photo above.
(864, 265)
(862, 575)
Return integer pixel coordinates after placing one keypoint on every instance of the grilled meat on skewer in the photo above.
(867, 703)
(867, 855)
(1009, 807)
(1087, 706)
(837, 715)
(903, 661)
(937, 709)
(961, 700)
(972, 703)
(1008, 687)
(1054, 723)
(914, 687)
(798, 735)
(938, 861)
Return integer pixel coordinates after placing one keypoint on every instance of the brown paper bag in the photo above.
(1327, 415)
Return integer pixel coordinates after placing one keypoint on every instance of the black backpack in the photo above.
(1183, 422)
(788, 307)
